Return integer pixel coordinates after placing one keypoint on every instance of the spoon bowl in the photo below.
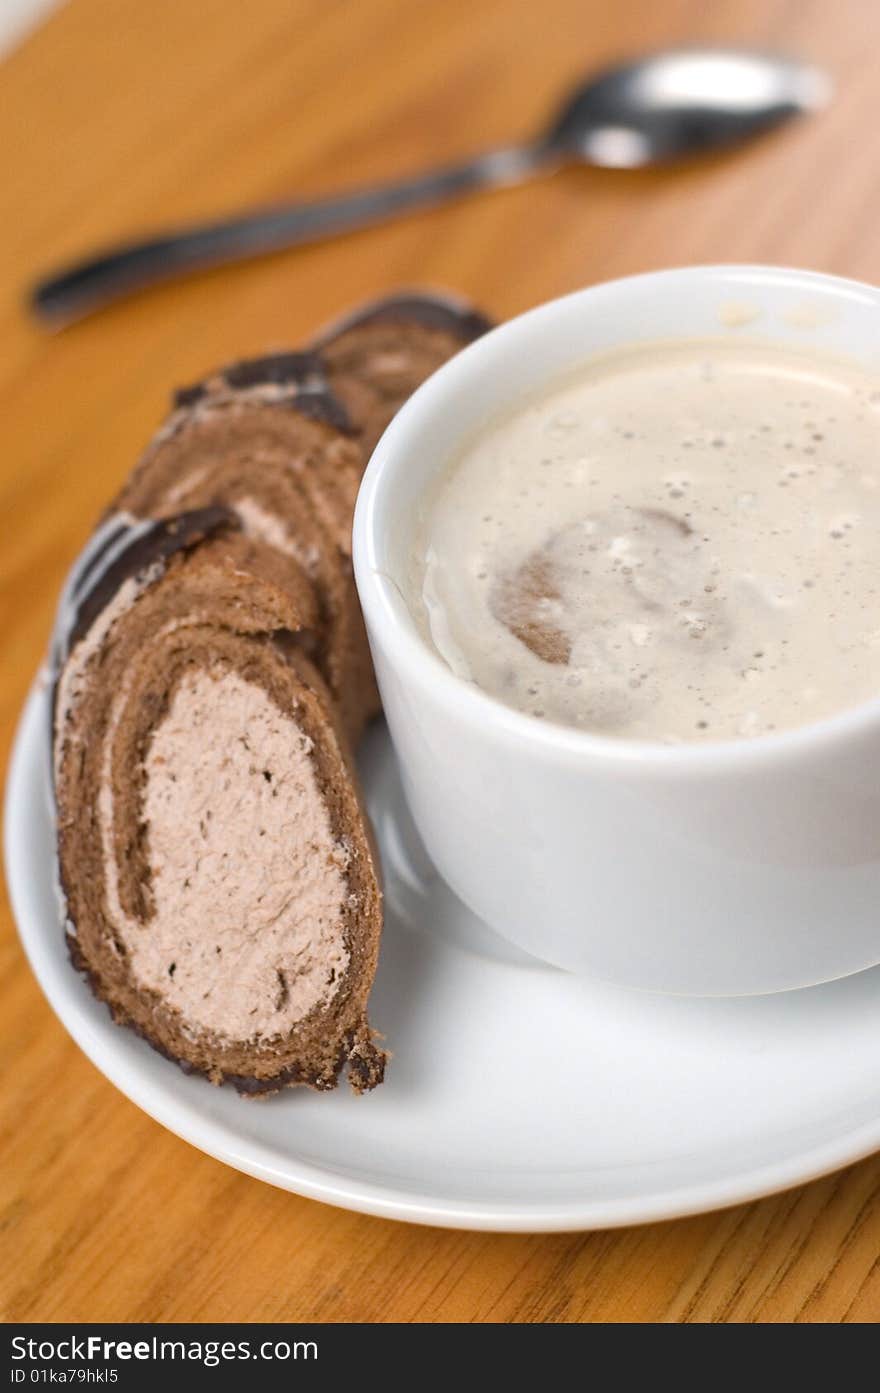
(682, 102)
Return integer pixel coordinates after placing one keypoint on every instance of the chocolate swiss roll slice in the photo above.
(220, 885)
(267, 439)
(375, 358)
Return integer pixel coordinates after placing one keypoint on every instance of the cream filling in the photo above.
(184, 487)
(265, 527)
(248, 882)
(73, 682)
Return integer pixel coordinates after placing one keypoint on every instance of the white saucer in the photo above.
(518, 1097)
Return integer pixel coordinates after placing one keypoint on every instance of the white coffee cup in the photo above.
(720, 869)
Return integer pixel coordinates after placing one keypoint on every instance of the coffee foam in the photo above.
(681, 543)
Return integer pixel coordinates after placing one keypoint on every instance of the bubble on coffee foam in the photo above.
(676, 484)
(769, 590)
(842, 524)
(563, 423)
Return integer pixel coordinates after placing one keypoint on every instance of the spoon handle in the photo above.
(83, 287)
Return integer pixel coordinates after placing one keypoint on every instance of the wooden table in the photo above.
(118, 115)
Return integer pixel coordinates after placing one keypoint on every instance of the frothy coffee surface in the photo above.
(681, 543)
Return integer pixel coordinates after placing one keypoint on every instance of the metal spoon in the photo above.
(660, 108)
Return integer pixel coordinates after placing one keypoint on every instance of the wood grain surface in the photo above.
(119, 116)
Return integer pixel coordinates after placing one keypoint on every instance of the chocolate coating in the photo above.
(188, 396)
(302, 373)
(429, 311)
(126, 547)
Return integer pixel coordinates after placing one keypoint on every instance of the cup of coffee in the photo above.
(620, 566)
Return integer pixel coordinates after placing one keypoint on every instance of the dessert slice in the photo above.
(221, 889)
(375, 358)
(267, 439)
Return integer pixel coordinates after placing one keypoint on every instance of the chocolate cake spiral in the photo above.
(210, 677)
